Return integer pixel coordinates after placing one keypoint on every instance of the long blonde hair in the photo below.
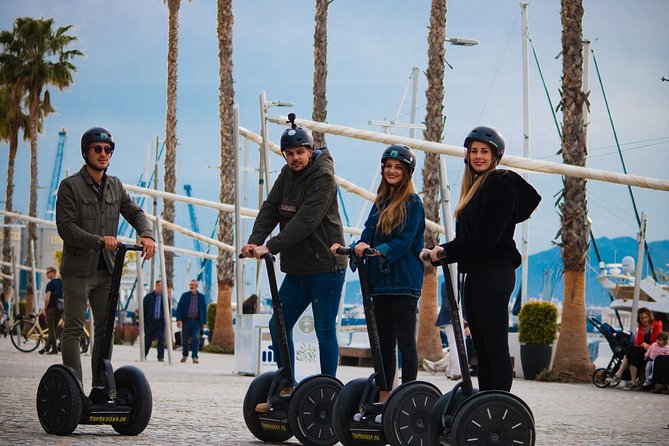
(472, 182)
(393, 215)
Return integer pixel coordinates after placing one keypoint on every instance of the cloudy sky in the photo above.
(372, 47)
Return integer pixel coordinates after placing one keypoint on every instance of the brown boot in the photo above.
(262, 407)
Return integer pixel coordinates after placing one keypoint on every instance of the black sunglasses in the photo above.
(99, 149)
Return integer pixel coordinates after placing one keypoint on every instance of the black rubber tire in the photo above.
(493, 418)
(19, 329)
(406, 418)
(600, 378)
(60, 401)
(310, 410)
(133, 388)
(257, 393)
(346, 406)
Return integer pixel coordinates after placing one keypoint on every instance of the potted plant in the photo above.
(537, 330)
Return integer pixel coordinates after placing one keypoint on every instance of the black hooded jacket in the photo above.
(484, 229)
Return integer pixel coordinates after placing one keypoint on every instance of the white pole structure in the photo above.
(34, 275)
(23, 267)
(140, 305)
(641, 238)
(264, 155)
(166, 303)
(510, 160)
(239, 274)
(525, 246)
(414, 99)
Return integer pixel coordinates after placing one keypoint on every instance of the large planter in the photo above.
(535, 358)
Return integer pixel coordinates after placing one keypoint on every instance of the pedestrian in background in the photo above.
(191, 318)
(154, 321)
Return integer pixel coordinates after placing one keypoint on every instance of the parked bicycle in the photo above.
(27, 334)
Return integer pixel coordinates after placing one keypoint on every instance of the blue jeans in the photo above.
(323, 292)
(191, 328)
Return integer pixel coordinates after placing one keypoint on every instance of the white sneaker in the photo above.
(429, 366)
(357, 417)
(379, 418)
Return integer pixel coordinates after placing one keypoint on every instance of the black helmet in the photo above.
(296, 136)
(487, 135)
(402, 154)
(96, 134)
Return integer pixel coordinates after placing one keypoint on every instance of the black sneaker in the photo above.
(44, 350)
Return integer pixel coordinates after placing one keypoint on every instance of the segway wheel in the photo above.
(310, 410)
(60, 401)
(346, 406)
(600, 378)
(132, 388)
(406, 418)
(256, 394)
(493, 418)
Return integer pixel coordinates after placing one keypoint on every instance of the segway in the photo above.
(468, 416)
(307, 412)
(404, 417)
(61, 402)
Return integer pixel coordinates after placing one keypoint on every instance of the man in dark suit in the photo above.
(154, 321)
(191, 318)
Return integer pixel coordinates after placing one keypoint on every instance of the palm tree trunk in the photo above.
(224, 334)
(320, 111)
(171, 135)
(429, 341)
(571, 357)
(9, 198)
(34, 99)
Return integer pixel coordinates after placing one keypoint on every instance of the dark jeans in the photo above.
(323, 292)
(396, 323)
(486, 300)
(156, 331)
(53, 316)
(190, 328)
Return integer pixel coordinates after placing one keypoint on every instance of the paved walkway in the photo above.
(202, 404)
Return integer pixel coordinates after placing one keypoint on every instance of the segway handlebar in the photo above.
(269, 256)
(350, 251)
(440, 255)
(130, 246)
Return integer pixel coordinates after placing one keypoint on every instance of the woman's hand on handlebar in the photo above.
(259, 251)
(433, 254)
(360, 248)
(247, 250)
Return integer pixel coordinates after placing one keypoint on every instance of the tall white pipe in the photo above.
(641, 239)
(166, 303)
(264, 168)
(239, 274)
(414, 99)
(525, 248)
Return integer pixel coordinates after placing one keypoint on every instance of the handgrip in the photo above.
(440, 255)
(269, 256)
(349, 251)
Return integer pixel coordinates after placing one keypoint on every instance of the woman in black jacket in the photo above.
(492, 202)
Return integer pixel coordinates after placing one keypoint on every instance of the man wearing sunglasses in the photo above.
(87, 214)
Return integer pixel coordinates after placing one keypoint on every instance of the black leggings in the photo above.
(396, 323)
(486, 301)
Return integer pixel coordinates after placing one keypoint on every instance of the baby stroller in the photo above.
(618, 341)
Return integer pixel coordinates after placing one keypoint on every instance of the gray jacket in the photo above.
(82, 216)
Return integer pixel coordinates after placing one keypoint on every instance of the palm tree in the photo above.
(320, 112)
(224, 335)
(429, 341)
(12, 121)
(34, 57)
(571, 357)
(171, 135)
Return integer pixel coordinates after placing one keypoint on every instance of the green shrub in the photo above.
(211, 316)
(537, 323)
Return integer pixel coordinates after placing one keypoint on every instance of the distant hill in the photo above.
(545, 270)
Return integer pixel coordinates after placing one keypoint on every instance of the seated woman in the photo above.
(647, 333)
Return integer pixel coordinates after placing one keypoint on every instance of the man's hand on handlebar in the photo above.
(148, 247)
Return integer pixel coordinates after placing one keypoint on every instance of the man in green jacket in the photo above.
(87, 214)
(303, 201)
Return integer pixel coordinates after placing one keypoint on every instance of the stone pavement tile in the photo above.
(202, 404)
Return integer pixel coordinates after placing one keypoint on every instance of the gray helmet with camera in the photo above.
(296, 136)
